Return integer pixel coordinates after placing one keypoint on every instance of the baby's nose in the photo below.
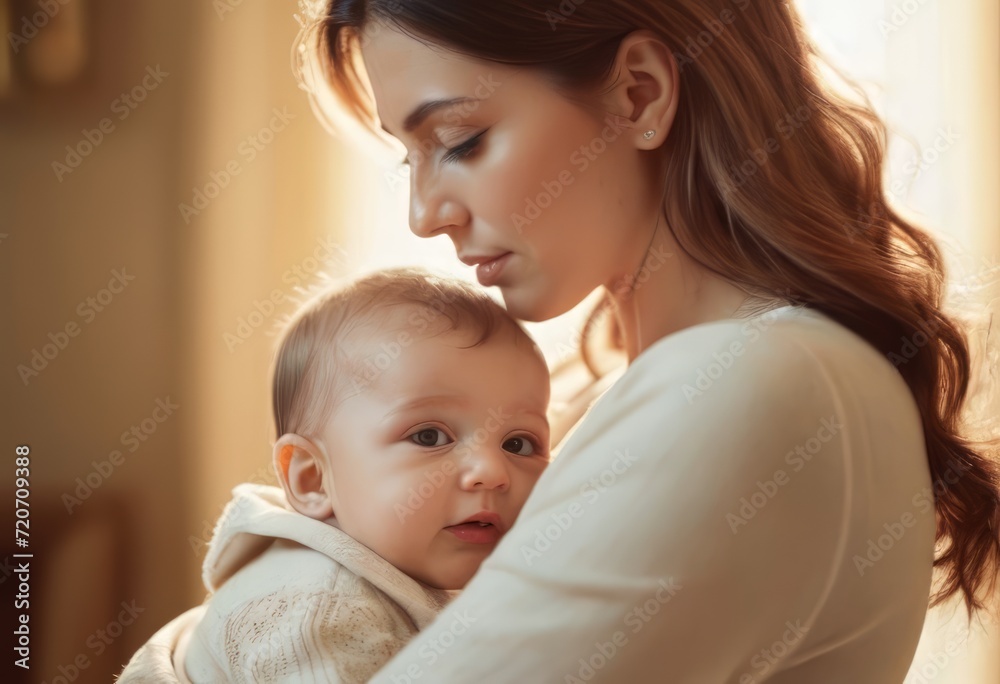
(486, 468)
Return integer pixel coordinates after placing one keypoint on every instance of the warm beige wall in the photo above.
(952, 652)
(163, 335)
(63, 240)
(290, 204)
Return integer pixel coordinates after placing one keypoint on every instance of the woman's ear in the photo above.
(304, 473)
(643, 86)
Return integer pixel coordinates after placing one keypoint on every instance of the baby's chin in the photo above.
(449, 574)
(450, 579)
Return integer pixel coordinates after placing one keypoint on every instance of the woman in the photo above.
(758, 497)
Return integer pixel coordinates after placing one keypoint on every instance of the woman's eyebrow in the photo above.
(425, 109)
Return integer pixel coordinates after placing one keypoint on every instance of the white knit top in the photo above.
(750, 502)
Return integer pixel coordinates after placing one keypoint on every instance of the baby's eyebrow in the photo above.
(541, 416)
(421, 402)
(522, 410)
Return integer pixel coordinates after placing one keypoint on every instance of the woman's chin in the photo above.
(531, 306)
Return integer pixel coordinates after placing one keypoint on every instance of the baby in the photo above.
(411, 422)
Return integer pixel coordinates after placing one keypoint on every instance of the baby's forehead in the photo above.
(404, 325)
(399, 344)
(419, 322)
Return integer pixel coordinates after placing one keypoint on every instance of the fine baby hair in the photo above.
(326, 350)
(325, 577)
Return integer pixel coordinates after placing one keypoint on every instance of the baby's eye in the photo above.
(429, 437)
(522, 446)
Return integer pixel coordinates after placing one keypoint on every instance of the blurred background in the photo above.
(166, 189)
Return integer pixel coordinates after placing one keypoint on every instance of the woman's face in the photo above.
(517, 169)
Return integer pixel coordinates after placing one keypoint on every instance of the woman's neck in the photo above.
(669, 292)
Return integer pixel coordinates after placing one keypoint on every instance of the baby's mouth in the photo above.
(476, 532)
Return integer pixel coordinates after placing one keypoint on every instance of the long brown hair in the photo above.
(774, 182)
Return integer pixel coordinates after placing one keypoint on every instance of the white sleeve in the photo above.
(687, 525)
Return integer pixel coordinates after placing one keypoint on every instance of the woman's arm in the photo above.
(672, 540)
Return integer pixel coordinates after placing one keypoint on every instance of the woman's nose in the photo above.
(431, 212)
(485, 468)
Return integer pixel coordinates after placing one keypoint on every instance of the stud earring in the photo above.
(648, 135)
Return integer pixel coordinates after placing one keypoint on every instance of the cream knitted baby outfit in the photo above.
(292, 600)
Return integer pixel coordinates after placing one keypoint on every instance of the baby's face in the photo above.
(439, 435)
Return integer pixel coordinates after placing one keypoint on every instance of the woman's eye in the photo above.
(464, 150)
(522, 446)
(429, 437)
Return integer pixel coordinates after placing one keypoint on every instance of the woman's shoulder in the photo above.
(771, 380)
(790, 351)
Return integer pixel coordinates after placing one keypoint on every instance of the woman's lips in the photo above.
(489, 272)
(474, 533)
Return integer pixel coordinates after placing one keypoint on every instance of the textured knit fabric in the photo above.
(292, 600)
(750, 502)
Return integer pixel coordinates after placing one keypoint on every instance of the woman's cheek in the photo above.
(504, 182)
(530, 166)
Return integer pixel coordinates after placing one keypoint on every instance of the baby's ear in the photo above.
(304, 473)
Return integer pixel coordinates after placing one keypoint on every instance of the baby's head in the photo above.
(405, 405)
